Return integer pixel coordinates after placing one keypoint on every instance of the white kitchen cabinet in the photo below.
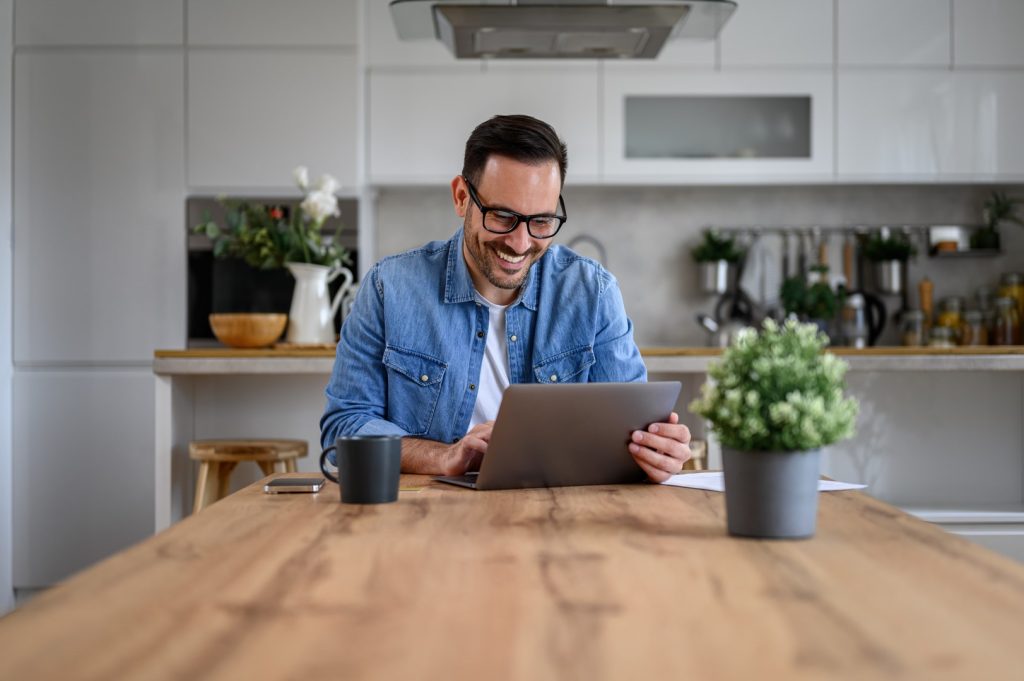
(272, 22)
(253, 116)
(988, 32)
(83, 469)
(98, 22)
(922, 126)
(99, 246)
(624, 164)
(779, 33)
(894, 32)
(419, 121)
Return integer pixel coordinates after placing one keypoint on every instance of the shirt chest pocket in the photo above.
(571, 366)
(414, 386)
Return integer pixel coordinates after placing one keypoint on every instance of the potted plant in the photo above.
(889, 251)
(774, 400)
(816, 303)
(997, 208)
(716, 257)
(269, 237)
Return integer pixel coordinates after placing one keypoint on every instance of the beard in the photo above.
(484, 255)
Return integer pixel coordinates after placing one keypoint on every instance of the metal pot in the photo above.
(714, 276)
(720, 335)
(889, 276)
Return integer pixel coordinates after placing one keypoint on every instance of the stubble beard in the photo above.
(479, 251)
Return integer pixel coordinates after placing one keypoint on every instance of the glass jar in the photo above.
(1011, 285)
(942, 337)
(951, 314)
(973, 331)
(913, 328)
(985, 298)
(1007, 322)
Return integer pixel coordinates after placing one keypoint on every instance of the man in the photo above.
(437, 333)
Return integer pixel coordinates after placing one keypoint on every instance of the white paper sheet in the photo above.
(715, 482)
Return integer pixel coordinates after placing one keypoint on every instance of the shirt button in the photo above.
(554, 378)
(479, 334)
(472, 386)
(513, 338)
(424, 378)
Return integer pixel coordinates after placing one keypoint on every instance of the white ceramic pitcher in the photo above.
(311, 318)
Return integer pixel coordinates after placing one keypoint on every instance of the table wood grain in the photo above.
(611, 582)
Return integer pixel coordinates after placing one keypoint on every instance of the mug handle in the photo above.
(323, 469)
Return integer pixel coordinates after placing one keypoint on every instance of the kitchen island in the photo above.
(940, 432)
(606, 582)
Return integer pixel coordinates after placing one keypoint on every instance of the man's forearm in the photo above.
(423, 456)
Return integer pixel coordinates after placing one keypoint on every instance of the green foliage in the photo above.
(776, 390)
(1001, 208)
(817, 301)
(262, 236)
(896, 247)
(717, 246)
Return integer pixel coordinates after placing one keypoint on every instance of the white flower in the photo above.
(301, 175)
(320, 205)
(328, 184)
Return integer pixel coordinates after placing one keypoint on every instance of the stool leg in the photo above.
(280, 467)
(224, 478)
(202, 482)
(290, 467)
(267, 467)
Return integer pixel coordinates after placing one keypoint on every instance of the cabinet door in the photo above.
(272, 22)
(83, 469)
(894, 32)
(419, 122)
(253, 116)
(909, 126)
(99, 267)
(988, 32)
(98, 22)
(779, 33)
(641, 136)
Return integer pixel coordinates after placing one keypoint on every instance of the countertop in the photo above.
(605, 582)
(658, 359)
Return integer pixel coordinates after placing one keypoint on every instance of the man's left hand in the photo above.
(662, 449)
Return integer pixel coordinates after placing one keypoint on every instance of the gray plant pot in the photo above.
(715, 277)
(771, 495)
(889, 276)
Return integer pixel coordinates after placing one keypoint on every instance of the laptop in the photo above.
(572, 434)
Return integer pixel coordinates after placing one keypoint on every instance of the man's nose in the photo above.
(519, 239)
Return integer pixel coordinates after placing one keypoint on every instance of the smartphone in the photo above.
(285, 485)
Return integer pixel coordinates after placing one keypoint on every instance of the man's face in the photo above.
(500, 263)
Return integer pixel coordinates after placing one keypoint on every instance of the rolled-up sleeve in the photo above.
(617, 358)
(357, 390)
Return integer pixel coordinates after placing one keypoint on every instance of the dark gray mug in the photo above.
(368, 468)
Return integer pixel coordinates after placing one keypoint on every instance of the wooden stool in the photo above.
(217, 458)
(699, 456)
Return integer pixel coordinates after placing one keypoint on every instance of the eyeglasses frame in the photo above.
(520, 218)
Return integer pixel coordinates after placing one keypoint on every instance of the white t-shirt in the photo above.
(494, 367)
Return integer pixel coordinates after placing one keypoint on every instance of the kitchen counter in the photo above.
(606, 582)
(658, 360)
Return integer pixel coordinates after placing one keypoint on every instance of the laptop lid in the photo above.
(573, 434)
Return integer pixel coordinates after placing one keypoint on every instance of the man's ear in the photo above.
(460, 196)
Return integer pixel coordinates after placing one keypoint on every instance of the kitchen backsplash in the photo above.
(648, 233)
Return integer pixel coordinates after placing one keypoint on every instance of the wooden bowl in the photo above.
(248, 330)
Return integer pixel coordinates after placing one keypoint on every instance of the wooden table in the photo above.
(619, 582)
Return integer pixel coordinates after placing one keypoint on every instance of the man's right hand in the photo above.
(435, 458)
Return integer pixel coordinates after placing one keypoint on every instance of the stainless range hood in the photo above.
(545, 29)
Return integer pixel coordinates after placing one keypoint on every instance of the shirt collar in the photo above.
(458, 285)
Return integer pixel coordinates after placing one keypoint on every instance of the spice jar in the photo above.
(973, 331)
(985, 297)
(913, 328)
(1007, 322)
(1011, 285)
(951, 314)
(942, 337)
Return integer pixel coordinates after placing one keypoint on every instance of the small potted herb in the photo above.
(716, 257)
(816, 303)
(997, 208)
(774, 401)
(889, 251)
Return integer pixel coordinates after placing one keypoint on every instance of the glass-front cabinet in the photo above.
(665, 127)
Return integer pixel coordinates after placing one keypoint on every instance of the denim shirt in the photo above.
(411, 348)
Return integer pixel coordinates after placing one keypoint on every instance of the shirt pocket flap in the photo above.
(566, 367)
(418, 367)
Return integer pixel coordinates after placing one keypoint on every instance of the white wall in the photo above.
(6, 299)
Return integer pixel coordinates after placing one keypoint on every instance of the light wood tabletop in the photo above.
(613, 582)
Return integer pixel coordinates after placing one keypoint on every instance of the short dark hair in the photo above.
(523, 138)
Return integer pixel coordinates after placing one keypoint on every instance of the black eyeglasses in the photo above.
(501, 221)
